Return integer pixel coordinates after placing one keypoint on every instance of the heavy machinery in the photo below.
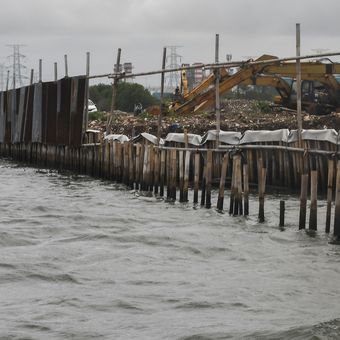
(319, 87)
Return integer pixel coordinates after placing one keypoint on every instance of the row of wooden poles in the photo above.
(168, 171)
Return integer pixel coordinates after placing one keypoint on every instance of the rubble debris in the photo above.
(236, 115)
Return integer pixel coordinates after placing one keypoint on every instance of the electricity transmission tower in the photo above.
(173, 60)
(18, 68)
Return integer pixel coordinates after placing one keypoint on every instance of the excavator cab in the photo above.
(315, 98)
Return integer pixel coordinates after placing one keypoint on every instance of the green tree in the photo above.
(127, 96)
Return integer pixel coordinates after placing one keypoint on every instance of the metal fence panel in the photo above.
(21, 97)
(8, 110)
(63, 110)
(77, 110)
(2, 117)
(27, 129)
(51, 110)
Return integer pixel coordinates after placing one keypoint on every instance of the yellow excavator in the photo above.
(319, 87)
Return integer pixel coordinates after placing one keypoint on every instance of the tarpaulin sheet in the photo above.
(149, 137)
(265, 136)
(77, 106)
(325, 135)
(179, 138)
(37, 114)
(226, 137)
(63, 110)
(116, 137)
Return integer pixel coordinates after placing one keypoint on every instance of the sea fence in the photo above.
(252, 162)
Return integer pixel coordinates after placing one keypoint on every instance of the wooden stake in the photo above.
(220, 200)
(156, 167)
(162, 174)
(282, 214)
(313, 197)
(196, 177)
(329, 194)
(303, 201)
(181, 175)
(233, 187)
(262, 185)
(173, 174)
(246, 189)
(208, 179)
(186, 176)
(203, 183)
(337, 205)
(238, 209)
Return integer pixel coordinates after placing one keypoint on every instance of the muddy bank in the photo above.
(236, 115)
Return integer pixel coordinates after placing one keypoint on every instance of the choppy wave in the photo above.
(87, 259)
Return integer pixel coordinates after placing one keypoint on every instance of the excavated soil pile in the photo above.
(236, 115)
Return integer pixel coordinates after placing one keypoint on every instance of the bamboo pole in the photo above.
(66, 66)
(214, 65)
(114, 94)
(160, 116)
(298, 84)
(217, 92)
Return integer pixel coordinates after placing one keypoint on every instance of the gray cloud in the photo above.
(50, 29)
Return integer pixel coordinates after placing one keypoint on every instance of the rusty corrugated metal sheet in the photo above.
(14, 113)
(77, 110)
(27, 128)
(8, 111)
(2, 117)
(63, 110)
(37, 114)
(21, 97)
(51, 110)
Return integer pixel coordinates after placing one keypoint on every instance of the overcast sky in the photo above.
(48, 29)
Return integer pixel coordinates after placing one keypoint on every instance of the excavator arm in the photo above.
(197, 99)
(203, 95)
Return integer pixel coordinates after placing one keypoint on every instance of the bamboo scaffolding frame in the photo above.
(214, 66)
